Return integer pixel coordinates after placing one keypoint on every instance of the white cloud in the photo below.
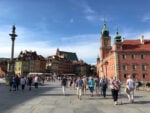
(128, 33)
(88, 9)
(145, 34)
(146, 18)
(85, 46)
(94, 18)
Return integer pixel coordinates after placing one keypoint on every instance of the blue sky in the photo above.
(70, 25)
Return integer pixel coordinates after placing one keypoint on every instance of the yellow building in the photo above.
(29, 61)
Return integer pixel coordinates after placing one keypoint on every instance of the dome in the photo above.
(105, 31)
(118, 37)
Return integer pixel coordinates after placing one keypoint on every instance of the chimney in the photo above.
(123, 39)
(142, 39)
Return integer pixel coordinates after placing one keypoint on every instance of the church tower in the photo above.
(105, 42)
(117, 41)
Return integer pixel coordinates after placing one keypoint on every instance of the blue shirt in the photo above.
(80, 83)
(91, 83)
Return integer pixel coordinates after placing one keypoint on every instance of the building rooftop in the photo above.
(68, 55)
(136, 45)
(29, 55)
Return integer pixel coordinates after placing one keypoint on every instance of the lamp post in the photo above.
(13, 35)
(106, 64)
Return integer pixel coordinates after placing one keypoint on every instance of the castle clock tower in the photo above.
(105, 42)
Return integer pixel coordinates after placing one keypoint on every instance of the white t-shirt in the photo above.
(36, 79)
(110, 84)
(130, 83)
(22, 81)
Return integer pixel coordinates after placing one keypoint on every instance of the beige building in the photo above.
(29, 61)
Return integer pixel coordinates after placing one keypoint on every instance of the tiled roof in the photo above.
(135, 45)
(29, 55)
(69, 55)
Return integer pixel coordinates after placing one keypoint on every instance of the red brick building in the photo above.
(3, 66)
(124, 57)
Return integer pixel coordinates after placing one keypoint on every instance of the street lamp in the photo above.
(106, 64)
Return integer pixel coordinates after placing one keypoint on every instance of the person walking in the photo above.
(36, 80)
(91, 86)
(14, 84)
(84, 84)
(115, 89)
(22, 82)
(79, 87)
(97, 85)
(10, 80)
(130, 86)
(103, 83)
(64, 84)
(71, 82)
(17, 80)
(30, 82)
(74, 83)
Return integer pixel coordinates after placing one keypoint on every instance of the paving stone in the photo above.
(49, 99)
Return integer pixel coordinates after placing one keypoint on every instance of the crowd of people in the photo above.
(20, 82)
(99, 86)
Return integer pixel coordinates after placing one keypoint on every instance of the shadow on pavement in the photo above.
(142, 102)
(58, 94)
(10, 100)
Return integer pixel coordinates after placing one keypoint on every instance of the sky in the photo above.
(70, 25)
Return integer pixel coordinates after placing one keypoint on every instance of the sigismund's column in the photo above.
(13, 35)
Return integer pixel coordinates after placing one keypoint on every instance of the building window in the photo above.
(143, 67)
(144, 75)
(124, 66)
(105, 42)
(133, 56)
(142, 56)
(123, 56)
(125, 75)
(133, 75)
(133, 67)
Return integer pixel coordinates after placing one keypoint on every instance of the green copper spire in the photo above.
(105, 31)
(117, 37)
(98, 58)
